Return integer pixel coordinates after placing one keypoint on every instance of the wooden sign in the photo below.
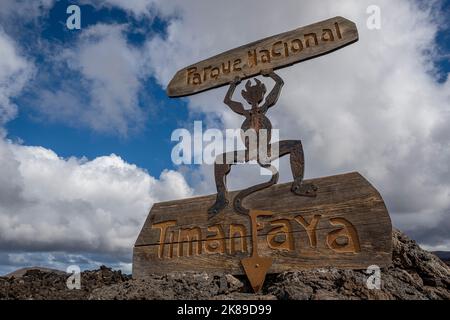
(345, 226)
(270, 53)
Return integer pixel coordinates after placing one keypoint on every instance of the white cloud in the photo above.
(111, 74)
(15, 71)
(74, 204)
(50, 206)
(137, 7)
(372, 107)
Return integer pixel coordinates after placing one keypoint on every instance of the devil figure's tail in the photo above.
(239, 198)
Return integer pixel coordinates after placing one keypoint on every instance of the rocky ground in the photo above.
(415, 274)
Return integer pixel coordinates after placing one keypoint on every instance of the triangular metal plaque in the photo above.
(256, 269)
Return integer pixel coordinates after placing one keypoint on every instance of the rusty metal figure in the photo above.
(255, 119)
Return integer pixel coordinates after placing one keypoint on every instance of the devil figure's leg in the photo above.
(222, 168)
(295, 149)
(220, 173)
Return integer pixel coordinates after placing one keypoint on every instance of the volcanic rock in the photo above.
(414, 274)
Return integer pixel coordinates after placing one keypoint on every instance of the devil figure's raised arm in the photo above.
(234, 105)
(273, 96)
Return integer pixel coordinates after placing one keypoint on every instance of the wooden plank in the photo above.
(273, 52)
(346, 202)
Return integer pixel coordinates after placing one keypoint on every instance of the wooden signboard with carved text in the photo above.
(338, 221)
(346, 226)
(274, 52)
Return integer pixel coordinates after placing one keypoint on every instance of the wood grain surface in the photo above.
(273, 52)
(345, 226)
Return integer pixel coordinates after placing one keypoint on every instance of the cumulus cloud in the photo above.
(139, 8)
(15, 71)
(75, 205)
(108, 70)
(112, 67)
(373, 107)
(56, 211)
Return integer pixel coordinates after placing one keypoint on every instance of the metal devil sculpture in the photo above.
(261, 58)
(338, 221)
(255, 122)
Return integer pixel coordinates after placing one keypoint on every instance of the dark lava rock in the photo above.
(174, 286)
(36, 284)
(414, 274)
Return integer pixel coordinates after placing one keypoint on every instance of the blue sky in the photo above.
(149, 147)
(76, 98)
(443, 41)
